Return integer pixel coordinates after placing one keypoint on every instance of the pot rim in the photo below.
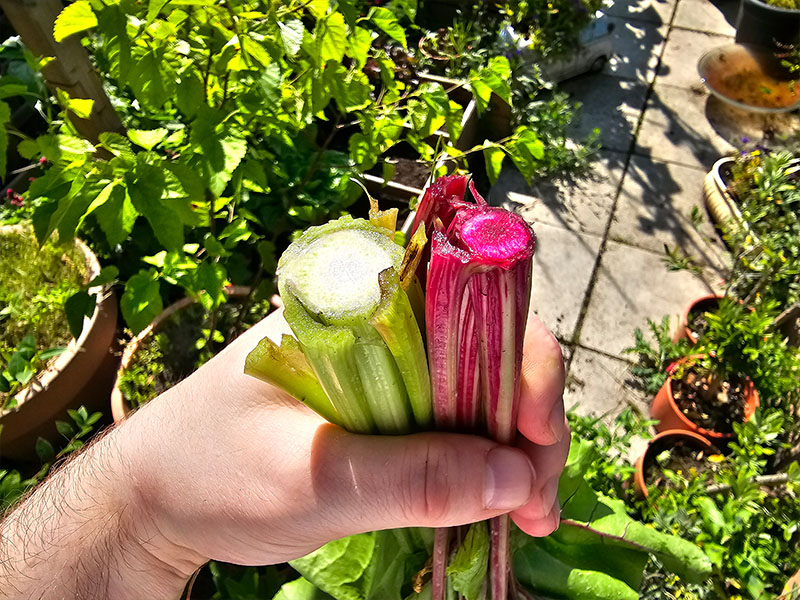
(702, 430)
(694, 303)
(44, 378)
(119, 407)
(640, 463)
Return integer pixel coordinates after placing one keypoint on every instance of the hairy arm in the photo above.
(81, 535)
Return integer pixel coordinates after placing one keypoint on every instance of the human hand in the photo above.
(243, 473)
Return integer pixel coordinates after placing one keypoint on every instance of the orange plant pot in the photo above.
(665, 439)
(669, 415)
(119, 407)
(701, 305)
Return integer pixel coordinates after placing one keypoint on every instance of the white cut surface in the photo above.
(336, 276)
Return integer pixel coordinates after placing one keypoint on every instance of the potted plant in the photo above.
(178, 341)
(771, 23)
(693, 324)
(671, 451)
(44, 369)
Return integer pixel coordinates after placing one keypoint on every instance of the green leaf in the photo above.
(468, 568)
(359, 46)
(104, 277)
(117, 145)
(494, 157)
(210, 279)
(80, 107)
(493, 78)
(190, 93)
(75, 17)
(301, 589)
(27, 148)
(385, 20)
(79, 305)
(116, 215)
(5, 384)
(318, 8)
(5, 116)
(333, 39)
(45, 450)
(153, 8)
(112, 23)
(292, 32)
(141, 301)
(65, 429)
(147, 139)
(269, 85)
(73, 207)
(146, 187)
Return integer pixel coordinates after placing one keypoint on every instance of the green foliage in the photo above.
(13, 485)
(675, 260)
(35, 286)
(650, 371)
(766, 248)
(787, 4)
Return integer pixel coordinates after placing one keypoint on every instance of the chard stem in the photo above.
(500, 551)
(441, 543)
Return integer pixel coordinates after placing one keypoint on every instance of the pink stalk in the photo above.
(477, 295)
(441, 544)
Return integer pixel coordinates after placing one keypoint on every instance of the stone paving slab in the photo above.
(583, 204)
(609, 103)
(563, 265)
(655, 207)
(637, 47)
(651, 11)
(675, 128)
(597, 385)
(679, 63)
(712, 16)
(631, 286)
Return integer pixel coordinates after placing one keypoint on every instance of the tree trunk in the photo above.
(71, 71)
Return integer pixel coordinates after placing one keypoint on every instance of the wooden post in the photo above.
(71, 71)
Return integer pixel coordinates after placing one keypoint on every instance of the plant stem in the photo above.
(441, 543)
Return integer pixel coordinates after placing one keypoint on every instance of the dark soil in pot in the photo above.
(711, 404)
(697, 323)
(686, 458)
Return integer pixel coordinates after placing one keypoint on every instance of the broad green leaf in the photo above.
(141, 301)
(5, 115)
(8, 90)
(116, 215)
(494, 157)
(493, 78)
(190, 94)
(147, 139)
(72, 207)
(117, 145)
(112, 23)
(332, 36)
(104, 277)
(210, 280)
(153, 8)
(101, 197)
(65, 429)
(152, 78)
(358, 48)
(318, 8)
(467, 570)
(351, 89)
(27, 148)
(75, 17)
(146, 187)
(301, 589)
(269, 85)
(292, 35)
(80, 107)
(385, 20)
(79, 305)
(5, 387)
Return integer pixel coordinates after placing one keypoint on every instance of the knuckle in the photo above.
(432, 476)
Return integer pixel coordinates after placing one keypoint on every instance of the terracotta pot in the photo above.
(82, 375)
(669, 416)
(663, 441)
(702, 305)
(119, 408)
(792, 587)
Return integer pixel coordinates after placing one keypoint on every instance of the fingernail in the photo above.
(557, 420)
(509, 475)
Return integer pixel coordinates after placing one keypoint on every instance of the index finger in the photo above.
(541, 403)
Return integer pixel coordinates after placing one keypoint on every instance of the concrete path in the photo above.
(599, 266)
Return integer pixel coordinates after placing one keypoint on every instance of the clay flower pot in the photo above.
(119, 407)
(703, 304)
(663, 441)
(82, 375)
(669, 415)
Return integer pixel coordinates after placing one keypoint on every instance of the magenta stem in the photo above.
(499, 558)
(441, 543)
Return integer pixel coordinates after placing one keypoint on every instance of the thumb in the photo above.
(426, 479)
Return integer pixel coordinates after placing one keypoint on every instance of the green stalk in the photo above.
(356, 327)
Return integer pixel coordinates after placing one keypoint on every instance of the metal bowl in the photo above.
(750, 78)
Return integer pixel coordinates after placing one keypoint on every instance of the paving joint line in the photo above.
(631, 149)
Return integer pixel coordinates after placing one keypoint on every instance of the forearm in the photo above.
(82, 534)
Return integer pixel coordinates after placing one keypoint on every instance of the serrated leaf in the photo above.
(468, 568)
(77, 307)
(359, 46)
(146, 187)
(117, 144)
(494, 157)
(269, 85)
(190, 94)
(210, 279)
(385, 20)
(116, 216)
(292, 32)
(112, 23)
(332, 36)
(28, 149)
(75, 17)
(147, 139)
(318, 8)
(141, 302)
